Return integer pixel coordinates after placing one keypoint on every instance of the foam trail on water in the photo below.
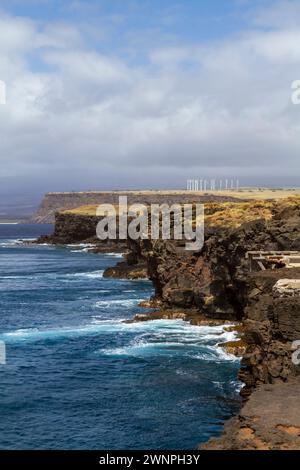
(90, 275)
(114, 255)
(36, 334)
(176, 337)
(80, 245)
(97, 326)
(118, 302)
(64, 277)
(10, 243)
(153, 338)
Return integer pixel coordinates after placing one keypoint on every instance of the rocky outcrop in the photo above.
(271, 325)
(124, 270)
(73, 228)
(213, 280)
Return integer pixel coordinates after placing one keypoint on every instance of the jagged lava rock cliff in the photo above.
(271, 325)
(270, 418)
(213, 280)
(79, 226)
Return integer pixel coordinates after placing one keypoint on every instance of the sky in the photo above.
(127, 94)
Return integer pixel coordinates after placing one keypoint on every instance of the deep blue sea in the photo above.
(78, 377)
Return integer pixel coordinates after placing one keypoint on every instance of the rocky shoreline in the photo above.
(215, 286)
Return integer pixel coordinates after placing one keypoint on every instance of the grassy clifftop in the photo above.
(54, 202)
(223, 214)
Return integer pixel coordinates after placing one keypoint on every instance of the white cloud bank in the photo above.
(76, 118)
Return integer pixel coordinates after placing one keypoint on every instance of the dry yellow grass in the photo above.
(242, 193)
(258, 194)
(230, 214)
(225, 214)
(91, 210)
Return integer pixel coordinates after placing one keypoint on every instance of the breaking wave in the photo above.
(158, 337)
(175, 337)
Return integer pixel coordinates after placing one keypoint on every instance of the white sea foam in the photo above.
(142, 348)
(118, 302)
(237, 385)
(91, 275)
(65, 277)
(158, 337)
(80, 245)
(36, 334)
(96, 326)
(10, 243)
(169, 337)
(45, 244)
(114, 255)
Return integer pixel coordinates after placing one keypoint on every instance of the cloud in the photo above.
(78, 117)
(280, 14)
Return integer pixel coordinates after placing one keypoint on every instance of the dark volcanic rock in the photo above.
(272, 323)
(213, 280)
(270, 419)
(123, 270)
(73, 228)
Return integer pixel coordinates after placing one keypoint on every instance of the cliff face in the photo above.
(70, 228)
(80, 228)
(213, 280)
(272, 323)
(270, 418)
(55, 202)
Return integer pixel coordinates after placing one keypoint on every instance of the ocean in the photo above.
(77, 377)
